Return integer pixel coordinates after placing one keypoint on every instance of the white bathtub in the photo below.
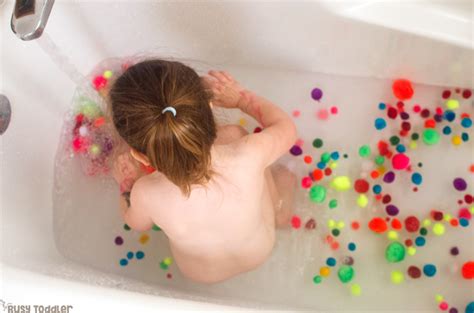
(431, 43)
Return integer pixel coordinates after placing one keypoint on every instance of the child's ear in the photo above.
(140, 157)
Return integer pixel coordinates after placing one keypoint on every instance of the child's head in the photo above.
(177, 146)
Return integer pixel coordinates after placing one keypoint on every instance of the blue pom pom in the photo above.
(449, 115)
(380, 123)
(416, 178)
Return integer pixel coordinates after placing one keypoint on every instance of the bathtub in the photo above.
(429, 42)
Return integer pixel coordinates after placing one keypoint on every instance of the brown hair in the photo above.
(177, 146)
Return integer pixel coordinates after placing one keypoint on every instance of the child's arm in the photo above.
(279, 132)
(132, 211)
(127, 175)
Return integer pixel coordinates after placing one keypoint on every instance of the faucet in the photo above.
(29, 18)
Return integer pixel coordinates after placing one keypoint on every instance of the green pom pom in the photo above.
(430, 136)
(163, 265)
(325, 157)
(395, 252)
(379, 160)
(317, 279)
(90, 109)
(317, 143)
(364, 151)
(317, 194)
(345, 273)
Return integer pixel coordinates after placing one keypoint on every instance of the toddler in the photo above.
(215, 192)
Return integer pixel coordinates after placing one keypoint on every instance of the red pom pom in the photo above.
(361, 186)
(396, 224)
(296, 222)
(466, 94)
(98, 122)
(318, 174)
(99, 82)
(402, 89)
(468, 270)
(79, 119)
(80, 144)
(125, 66)
(412, 224)
(378, 225)
(430, 123)
(77, 144)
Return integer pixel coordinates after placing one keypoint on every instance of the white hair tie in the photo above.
(169, 109)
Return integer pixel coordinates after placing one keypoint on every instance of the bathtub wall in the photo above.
(427, 42)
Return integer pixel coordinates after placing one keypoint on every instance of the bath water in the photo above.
(87, 221)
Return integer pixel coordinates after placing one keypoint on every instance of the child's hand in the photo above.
(227, 92)
(125, 171)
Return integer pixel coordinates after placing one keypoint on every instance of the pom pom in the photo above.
(99, 82)
(402, 89)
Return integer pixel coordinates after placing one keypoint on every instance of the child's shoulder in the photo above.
(149, 185)
(229, 133)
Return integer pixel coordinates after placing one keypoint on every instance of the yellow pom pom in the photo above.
(168, 261)
(355, 290)
(413, 145)
(341, 225)
(397, 277)
(452, 104)
(362, 201)
(95, 149)
(108, 74)
(331, 224)
(333, 165)
(439, 298)
(438, 229)
(426, 223)
(392, 235)
(411, 251)
(456, 140)
(341, 183)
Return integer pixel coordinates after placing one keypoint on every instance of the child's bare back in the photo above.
(226, 226)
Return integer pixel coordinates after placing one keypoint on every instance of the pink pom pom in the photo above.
(400, 161)
(99, 82)
(296, 222)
